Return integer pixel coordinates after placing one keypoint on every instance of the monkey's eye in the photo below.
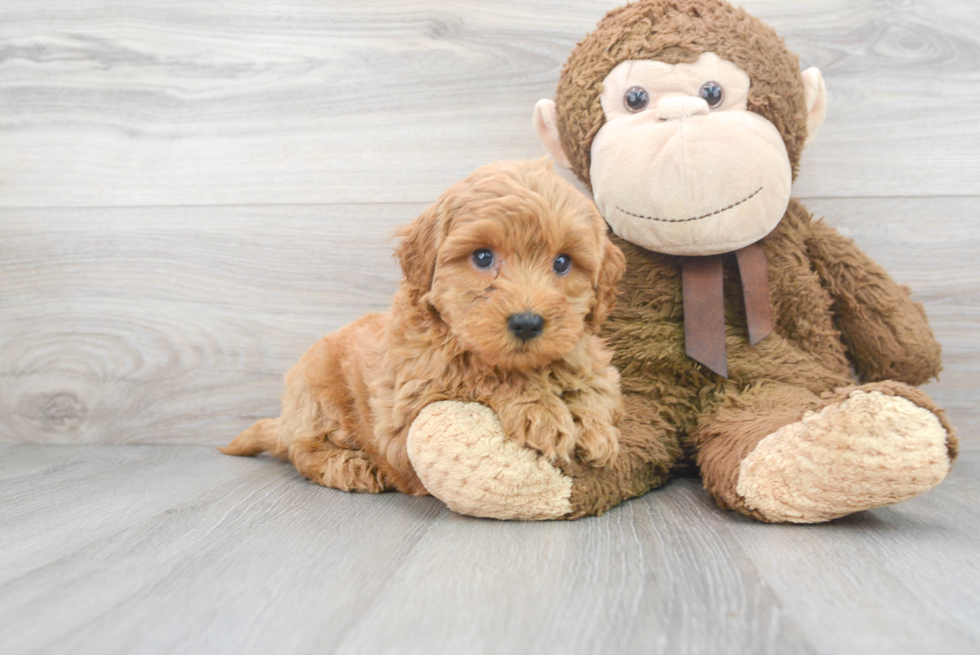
(713, 94)
(563, 264)
(636, 99)
(482, 258)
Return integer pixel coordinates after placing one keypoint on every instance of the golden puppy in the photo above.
(507, 278)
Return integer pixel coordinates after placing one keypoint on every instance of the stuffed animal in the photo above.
(753, 341)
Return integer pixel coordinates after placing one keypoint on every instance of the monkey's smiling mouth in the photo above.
(694, 218)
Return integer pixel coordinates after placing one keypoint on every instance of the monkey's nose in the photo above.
(680, 107)
(525, 325)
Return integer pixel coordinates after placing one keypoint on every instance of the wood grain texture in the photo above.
(245, 102)
(195, 552)
(176, 325)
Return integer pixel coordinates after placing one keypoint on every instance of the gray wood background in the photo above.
(192, 192)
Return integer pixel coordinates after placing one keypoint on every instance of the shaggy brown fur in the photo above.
(351, 399)
(834, 309)
(676, 410)
(675, 406)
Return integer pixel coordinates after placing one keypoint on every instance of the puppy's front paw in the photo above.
(544, 424)
(598, 441)
(596, 417)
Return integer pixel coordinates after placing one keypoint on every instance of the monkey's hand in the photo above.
(464, 458)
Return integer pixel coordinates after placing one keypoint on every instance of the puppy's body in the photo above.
(450, 335)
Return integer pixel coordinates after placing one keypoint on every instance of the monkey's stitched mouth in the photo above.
(694, 218)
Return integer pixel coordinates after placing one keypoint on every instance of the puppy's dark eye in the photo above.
(713, 94)
(563, 264)
(483, 258)
(636, 99)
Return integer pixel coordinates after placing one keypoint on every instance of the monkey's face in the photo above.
(680, 165)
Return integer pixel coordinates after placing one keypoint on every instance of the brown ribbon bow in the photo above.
(704, 304)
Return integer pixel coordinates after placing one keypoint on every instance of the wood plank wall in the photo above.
(192, 192)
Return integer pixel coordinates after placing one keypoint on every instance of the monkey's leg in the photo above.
(464, 458)
(781, 454)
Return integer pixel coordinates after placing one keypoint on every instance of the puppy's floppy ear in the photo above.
(613, 266)
(417, 252)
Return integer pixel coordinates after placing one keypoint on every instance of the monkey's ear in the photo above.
(546, 125)
(816, 102)
(417, 252)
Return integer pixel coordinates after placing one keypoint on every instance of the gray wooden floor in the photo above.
(192, 192)
(178, 549)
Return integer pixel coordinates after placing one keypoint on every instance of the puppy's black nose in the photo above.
(525, 325)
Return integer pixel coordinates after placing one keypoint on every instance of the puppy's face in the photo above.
(523, 266)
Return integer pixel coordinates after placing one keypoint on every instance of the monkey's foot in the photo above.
(461, 454)
(867, 449)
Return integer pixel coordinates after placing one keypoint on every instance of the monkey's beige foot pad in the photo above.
(461, 454)
(869, 450)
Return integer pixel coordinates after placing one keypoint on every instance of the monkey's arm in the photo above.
(885, 331)
(464, 458)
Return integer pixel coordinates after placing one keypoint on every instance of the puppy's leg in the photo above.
(325, 425)
(325, 463)
(323, 439)
(314, 456)
(325, 428)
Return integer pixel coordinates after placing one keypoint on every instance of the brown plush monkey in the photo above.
(741, 318)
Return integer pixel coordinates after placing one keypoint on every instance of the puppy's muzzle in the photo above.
(526, 325)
